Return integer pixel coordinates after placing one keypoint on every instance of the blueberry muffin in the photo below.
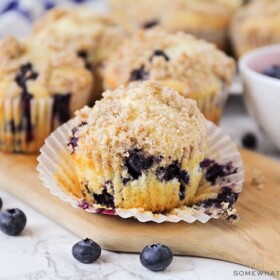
(195, 68)
(139, 147)
(39, 89)
(91, 36)
(205, 19)
(255, 25)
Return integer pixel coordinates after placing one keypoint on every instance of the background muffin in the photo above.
(91, 36)
(139, 147)
(255, 25)
(206, 19)
(196, 69)
(39, 89)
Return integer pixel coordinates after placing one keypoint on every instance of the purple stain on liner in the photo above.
(84, 204)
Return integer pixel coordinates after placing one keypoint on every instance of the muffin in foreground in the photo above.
(39, 90)
(205, 19)
(90, 35)
(195, 68)
(139, 147)
(255, 25)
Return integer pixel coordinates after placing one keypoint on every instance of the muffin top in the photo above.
(175, 15)
(143, 116)
(39, 70)
(258, 16)
(178, 60)
(79, 29)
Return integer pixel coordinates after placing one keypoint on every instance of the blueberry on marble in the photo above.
(150, 24)
(272, 71)
(137, 162)
(159, 53)
(86, 251)
(249, 141)
(156, 257)
(139, 74)
(1, 203)
(12, 221)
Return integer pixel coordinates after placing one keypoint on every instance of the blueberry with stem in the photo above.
(156, 257)
(86, 251)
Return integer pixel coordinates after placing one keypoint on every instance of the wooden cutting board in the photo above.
(254, 241)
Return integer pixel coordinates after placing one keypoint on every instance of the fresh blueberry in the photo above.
(249, 141)
(1, 203)
(12, 221)
(156, 257)
(272, 71)
(86, 251)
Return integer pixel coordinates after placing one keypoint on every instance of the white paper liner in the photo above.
(221, 149)
(212, 106)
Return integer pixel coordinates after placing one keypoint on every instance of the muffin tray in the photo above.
(254, 241)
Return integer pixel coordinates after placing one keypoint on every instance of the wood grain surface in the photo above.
(254, 241)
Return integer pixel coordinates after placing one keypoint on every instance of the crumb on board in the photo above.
(258, 179)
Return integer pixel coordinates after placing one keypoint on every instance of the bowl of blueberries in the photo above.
(260, 72)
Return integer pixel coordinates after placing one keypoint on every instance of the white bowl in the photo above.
(262, 93)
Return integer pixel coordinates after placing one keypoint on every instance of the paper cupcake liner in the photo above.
(244, 42)
(24, 124)
(212, 106)
(221, 149)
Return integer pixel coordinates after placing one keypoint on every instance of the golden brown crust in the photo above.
(190, 61)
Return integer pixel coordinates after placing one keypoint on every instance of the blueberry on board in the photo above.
(156, 257)
(249, 141)
(12, 221)
(1, 203)
(86, 251)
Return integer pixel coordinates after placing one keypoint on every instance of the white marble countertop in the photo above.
(43, 251)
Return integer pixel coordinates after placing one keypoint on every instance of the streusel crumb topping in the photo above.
(52, 72)
(177, 57)
(143, 115)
